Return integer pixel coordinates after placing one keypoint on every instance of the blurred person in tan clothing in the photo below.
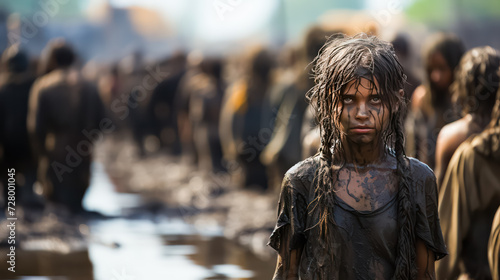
(468, 199)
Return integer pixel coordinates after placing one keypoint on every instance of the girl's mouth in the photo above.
(361, 129)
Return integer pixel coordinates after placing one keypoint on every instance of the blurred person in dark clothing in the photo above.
(204, 112)
(65, 119)
(310, 135)
(285, 147)
(477, 80)
(468, 199)
(283, 76)
(431, 106)
(15, 149)
(110, 87)
(162, 109)
(403, 51)
(182, 102)
(242, 131)
(131, 107)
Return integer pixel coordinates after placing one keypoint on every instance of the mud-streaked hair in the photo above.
(341, 61)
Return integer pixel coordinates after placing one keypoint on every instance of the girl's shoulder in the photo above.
(423, 180)
(419, 169)
(301, 175)
(304, 168)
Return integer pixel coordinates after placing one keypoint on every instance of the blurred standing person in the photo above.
(116, 86)
(290, 66)
(310, 134)
(182, 101)
(64, 115)
(403, 51)
(15, 149)
(204, 112)
(109, 88)
(285, 147)
(242, 129)
(283, 76)
(477, 80)
(133, 110)
(162, 110)
(431, 105)
(468, 199)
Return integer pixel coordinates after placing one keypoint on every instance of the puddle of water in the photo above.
(144, 252)
(43, 265)
(140, 249)
(101, 196)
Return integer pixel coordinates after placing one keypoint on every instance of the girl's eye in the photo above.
(347, 100)
(376, 100)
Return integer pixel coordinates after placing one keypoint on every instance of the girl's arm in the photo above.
(288, 269)
(425, 261)
(288, 238)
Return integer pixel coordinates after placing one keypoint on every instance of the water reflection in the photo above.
(226, 259)
(102, 197)
(149, 247)
(144, 252)
(54, 266)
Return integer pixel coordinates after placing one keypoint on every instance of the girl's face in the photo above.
(364, 116)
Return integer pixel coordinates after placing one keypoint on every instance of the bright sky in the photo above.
(218, 21)
(384, 4)
(210, 20)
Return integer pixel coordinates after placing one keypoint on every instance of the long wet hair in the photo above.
(477, 80)
(451, 48)
(341, 61)
(477, 90)
(492, 147)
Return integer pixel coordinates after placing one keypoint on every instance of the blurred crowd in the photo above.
(247, 115)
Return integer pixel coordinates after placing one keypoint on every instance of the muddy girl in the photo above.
(360, 208)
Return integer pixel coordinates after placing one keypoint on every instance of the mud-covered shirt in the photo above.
(362, 244)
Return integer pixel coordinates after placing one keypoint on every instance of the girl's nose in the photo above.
(362, 112)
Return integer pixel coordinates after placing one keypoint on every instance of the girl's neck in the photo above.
(364, 154)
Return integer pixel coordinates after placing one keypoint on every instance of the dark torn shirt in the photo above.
(363, 244)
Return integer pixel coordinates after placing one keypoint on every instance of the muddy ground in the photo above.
(169, 186)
